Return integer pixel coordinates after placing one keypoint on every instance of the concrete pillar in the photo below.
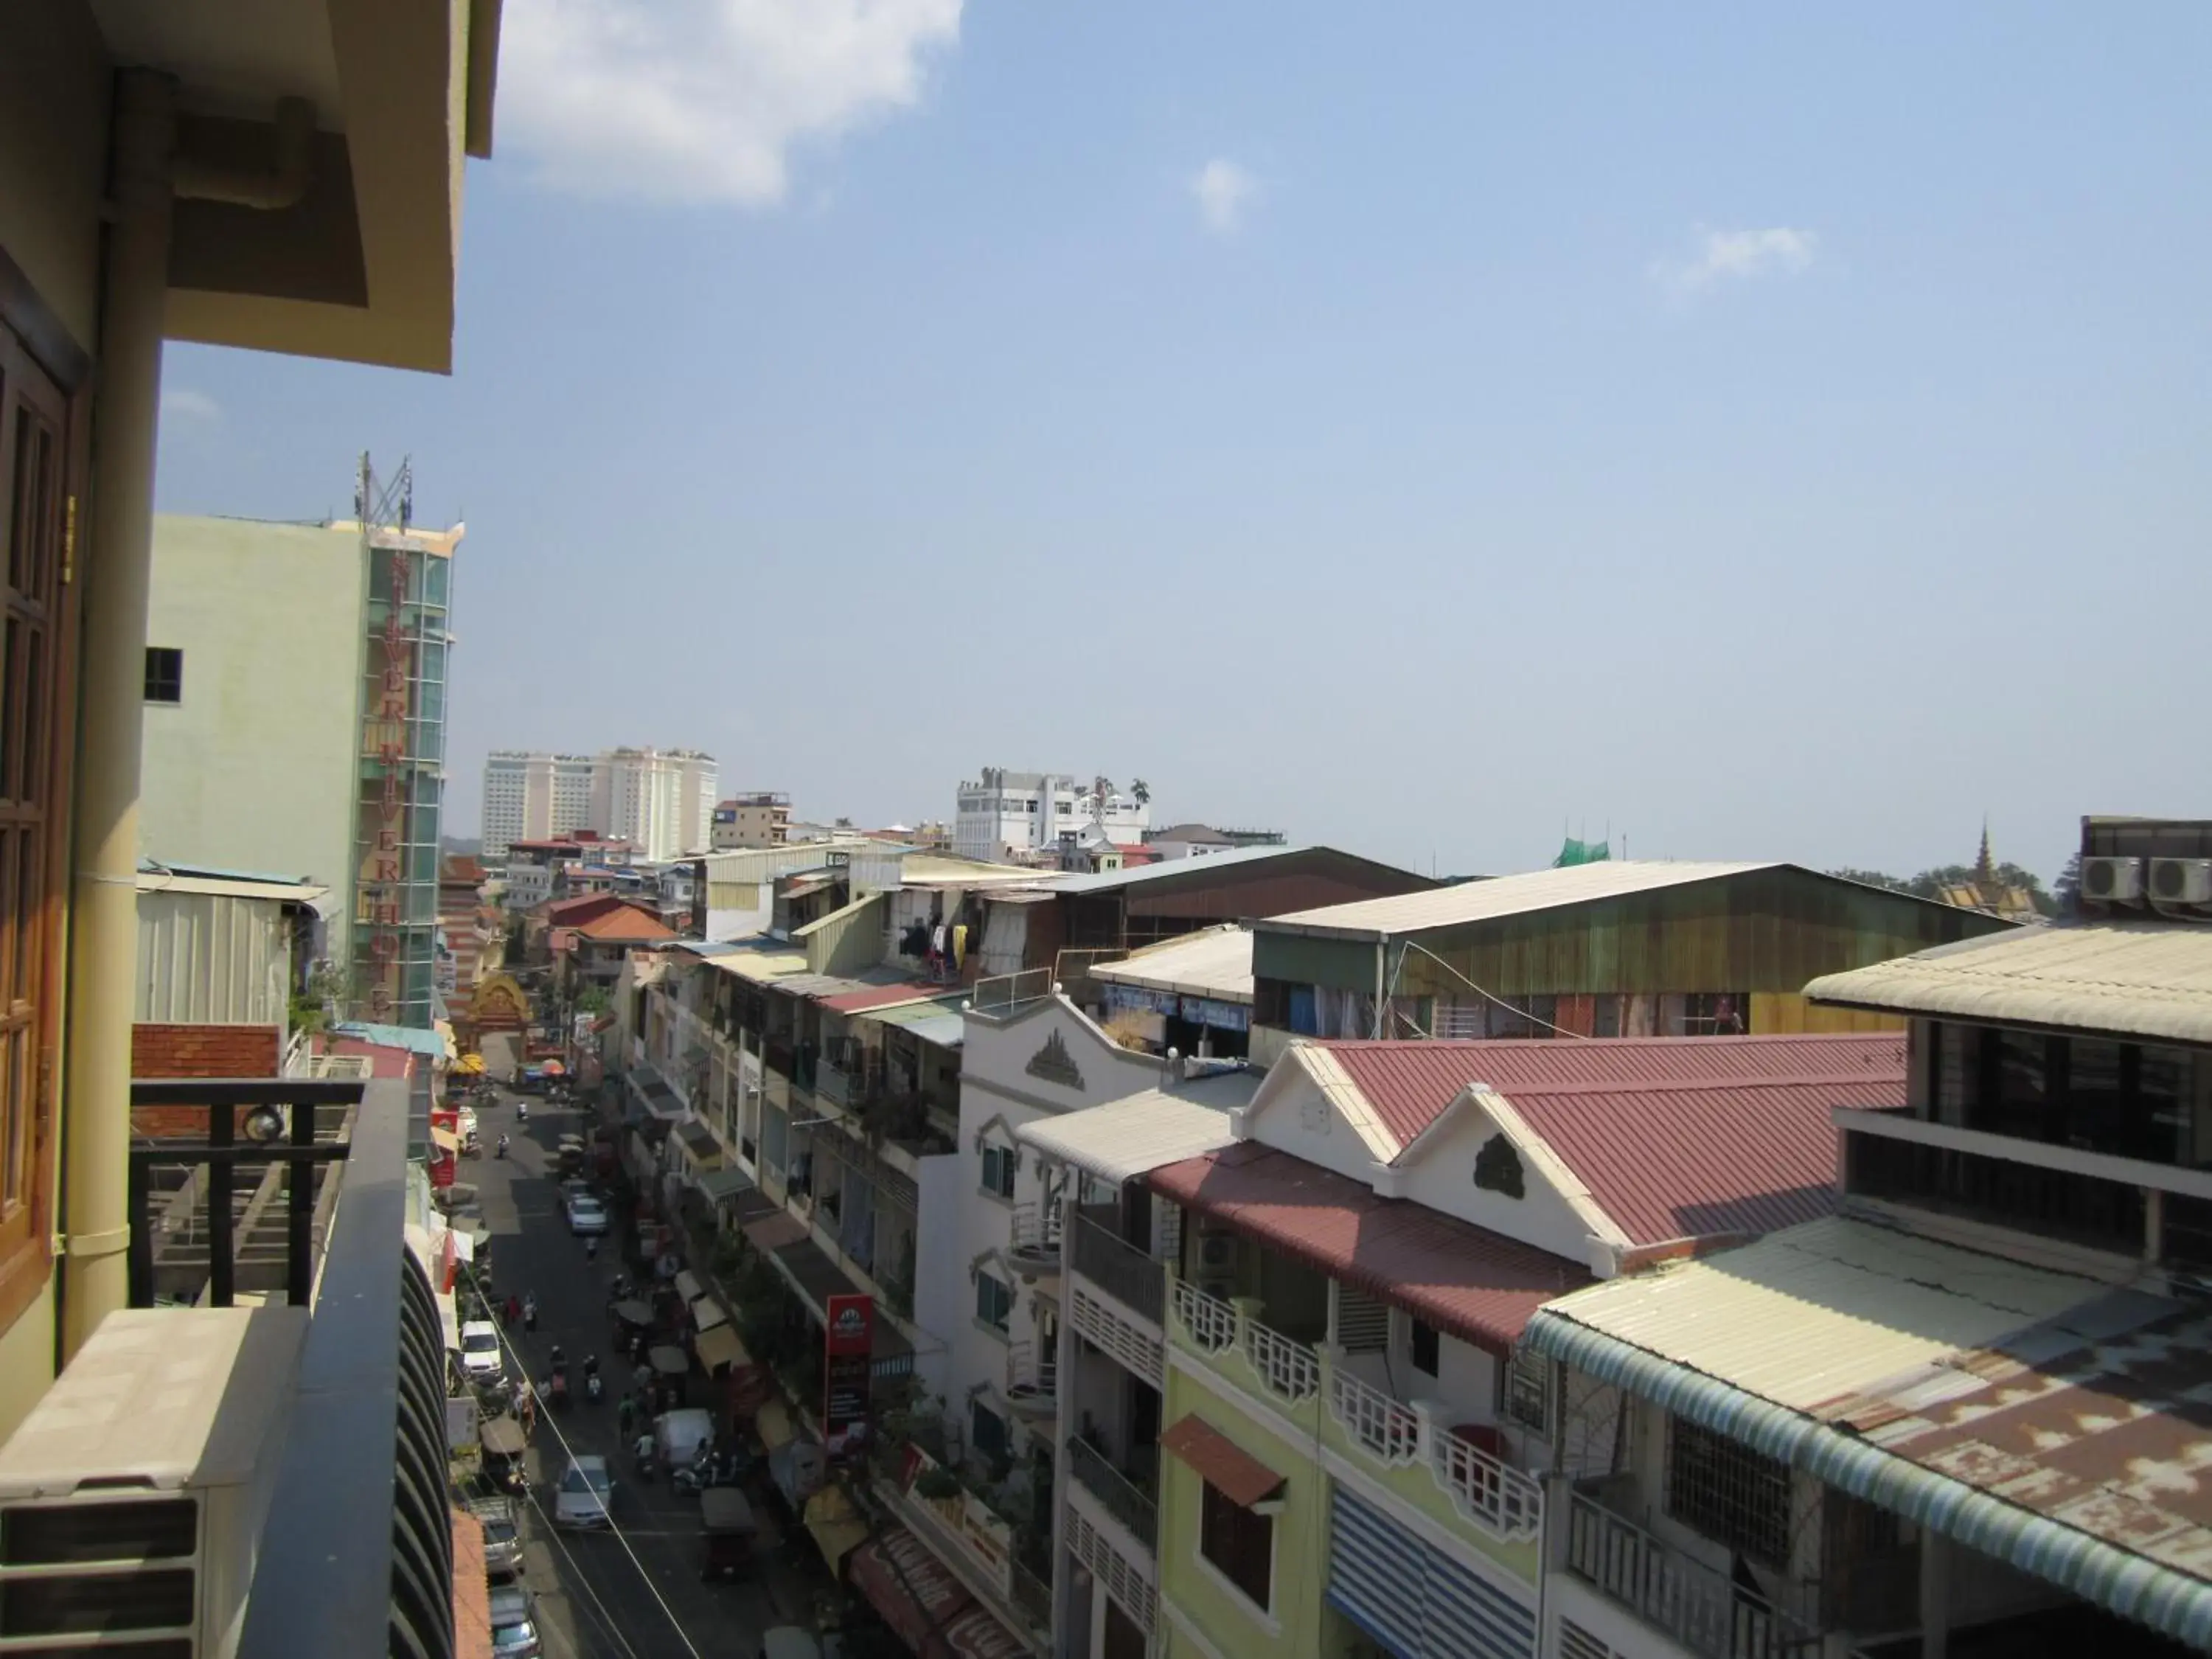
(1935, 1594)
(104, 916)
(1067, 1642)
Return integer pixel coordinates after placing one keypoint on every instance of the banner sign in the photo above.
(847, 1359)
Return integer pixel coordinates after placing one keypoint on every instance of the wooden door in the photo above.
(39, 440)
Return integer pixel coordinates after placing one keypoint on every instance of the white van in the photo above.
(677, 1435)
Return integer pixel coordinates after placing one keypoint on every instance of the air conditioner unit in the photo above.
(2181, 881)
(2111, 881)
(132, 1497)
(1216, 1252)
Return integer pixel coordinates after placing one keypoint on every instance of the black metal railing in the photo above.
(1122, 1270)
(284, 1117)
(1123, 1499)
(356, 1555)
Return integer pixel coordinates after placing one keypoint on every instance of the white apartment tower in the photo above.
(661, 800)
(532, 796)
(1005, 813)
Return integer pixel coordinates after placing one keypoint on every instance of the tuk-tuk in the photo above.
(728, 1533)
(500, 1441)
(570, 1160)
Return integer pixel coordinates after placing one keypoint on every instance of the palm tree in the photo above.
(1141, 792)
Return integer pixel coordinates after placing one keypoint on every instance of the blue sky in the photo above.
(1770, 434)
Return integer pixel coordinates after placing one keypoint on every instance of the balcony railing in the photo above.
(1120, 1497)
(1121, 1269)
(281, 1129)
(1386, 1429)
(1703, 1609)
(1487, 1491)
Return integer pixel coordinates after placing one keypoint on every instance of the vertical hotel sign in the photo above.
(847, 1355)
(388, 798)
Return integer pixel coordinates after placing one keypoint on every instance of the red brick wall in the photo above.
(196, 1051)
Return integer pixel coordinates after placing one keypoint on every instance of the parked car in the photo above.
(584, 1492)
(481, 1359)
(502, 1538)
(587, 1215)
(514, 1625)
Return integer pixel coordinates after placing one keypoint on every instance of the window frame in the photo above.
(1008, 1159)
(1420, 1334)
(42, 367)
(1217, 1512)
(1714, 1505)
(173, 680)
(1003, 1325)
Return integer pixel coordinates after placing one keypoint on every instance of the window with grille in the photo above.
(165, 674)
(1000, 1164)
(38, 701)
(1527, 1387)
(1240, 1544)
(1729, 1491)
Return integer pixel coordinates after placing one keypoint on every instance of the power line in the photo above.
(1405, 946)
(607, 1509)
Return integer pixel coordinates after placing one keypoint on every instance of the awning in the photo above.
(707, 1314)
(1216, 1459)
(772, 1233)
(699, 1143)
(688, 1285)
(916, 1595)
(773, 1424)
(837, 1529)
(939, 1023)
(1132, 1137)
(721, 1346)
(720, 1186)
(977, 1635)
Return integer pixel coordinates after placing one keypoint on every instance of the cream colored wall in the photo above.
(27, 1360)
(255, 769)
(53, 154)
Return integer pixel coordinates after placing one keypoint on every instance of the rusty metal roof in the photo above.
(1673, 1137)
(2045, 1418)
(1480, 1285)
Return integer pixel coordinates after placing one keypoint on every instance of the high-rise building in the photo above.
(662, 801)
(1007, 814)
(295, 724)
(533, 796)
(761, 818)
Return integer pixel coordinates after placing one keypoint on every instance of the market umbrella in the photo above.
(554, 1068)
(670, 1362)
(470, 1066)
(632, 1312)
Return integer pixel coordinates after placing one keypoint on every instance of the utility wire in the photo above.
(1405, 946)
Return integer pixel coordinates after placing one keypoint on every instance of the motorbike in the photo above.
(500, 1150)
(556, 1385)
(592, 1387)
(522, 1111)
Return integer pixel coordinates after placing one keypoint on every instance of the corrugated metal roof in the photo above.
(1220, 1461)
(273, 889)
(1501, 896)
(948, 870)
(2048, 1421)
(880, 996)
(1673, 1137)
(1477, 1284)
(933, 1022)
(1824, 1311)
(1132, 1137)
(761, 967)
(1215, 962)
(2145, 979)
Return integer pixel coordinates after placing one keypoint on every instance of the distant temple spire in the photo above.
(1985, 869)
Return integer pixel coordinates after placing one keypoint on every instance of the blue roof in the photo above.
(410, 1037)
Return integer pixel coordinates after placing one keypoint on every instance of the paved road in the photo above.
(601, 1596)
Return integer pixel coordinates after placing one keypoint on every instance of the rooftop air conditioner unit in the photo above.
(2181, 881)
(2111, 881)
(132, 1497)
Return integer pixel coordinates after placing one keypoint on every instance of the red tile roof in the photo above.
(1675, 1138)
(1478, 1285)
(627, 925)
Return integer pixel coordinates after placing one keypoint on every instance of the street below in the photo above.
(633, 1591)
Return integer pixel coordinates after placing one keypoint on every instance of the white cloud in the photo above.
(1222, 190)
(181, 403)
(703, 100)
(1737, 256)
